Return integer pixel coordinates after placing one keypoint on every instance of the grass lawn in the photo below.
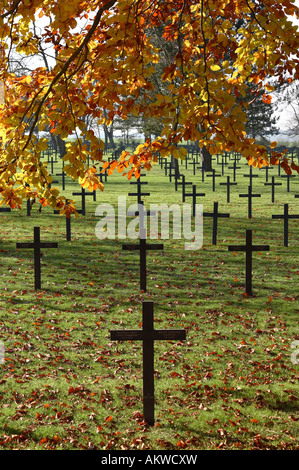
(231, 385)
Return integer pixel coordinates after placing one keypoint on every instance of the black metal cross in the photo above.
(249, 196)
(273, 184)
(234, 167)
(194, 194)
(183, 183)
(250, 176)
(215, 214)
(68, 224)
(267, 168)
(63, 178)
(248, 248)
(286, 216)
(83, 195)
(148, 335)
(228, 184)
(213, 176)
(37, 245)
(288, 177)
(143, 247)
(139, 191)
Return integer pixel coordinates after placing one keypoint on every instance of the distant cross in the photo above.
(249, 195)
(288, 177)
(143, 247)
(139, 192)
(83, 195)
(267, 168)
(234, 167)
(215, 214)
(273, 184)
(148, 335)
(228, 184)
(248, 248)
(194, 163)
(213, 176)
(223, 163)
(63, 178)
(194, 195)
(183, 183)
(37, 245)
(250, 176)
(286, 216)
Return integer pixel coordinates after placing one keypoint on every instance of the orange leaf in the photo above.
(109, 418)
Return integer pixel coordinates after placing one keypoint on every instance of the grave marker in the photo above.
(228, 184)
(248, 248)
(215, 214)
(288, 177)
(139, 192)
(234, 167)
(250, 176)
(37, 245)
(286, 216)
(83, 195)
(143, 247)
(273, 184)
(213, 176)
(194, 194)
(148, 335)
(249, 195)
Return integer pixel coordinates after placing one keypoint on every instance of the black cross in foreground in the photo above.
(286, 216)
(143, 247)
(215, 214)
(249, 195)
(37, 245)
(248, 248)
(148, 335)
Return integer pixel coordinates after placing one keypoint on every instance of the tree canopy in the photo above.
(105, 64)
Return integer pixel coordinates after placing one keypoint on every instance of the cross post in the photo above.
(213, 176)
(273, 184)
(194, 194)
(234, 167)
(143, 247)
(37, 245)
(228, 184)
(248, 248)
(148, 335)
(250, 176)
(215, 214)
(83, 195)
(286, 216)
(249, 195)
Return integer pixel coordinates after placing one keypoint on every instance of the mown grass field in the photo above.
(231, 385)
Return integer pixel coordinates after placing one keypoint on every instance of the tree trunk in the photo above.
(206, 159)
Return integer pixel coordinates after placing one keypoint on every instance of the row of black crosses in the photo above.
(148, 334)
(249, 195)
